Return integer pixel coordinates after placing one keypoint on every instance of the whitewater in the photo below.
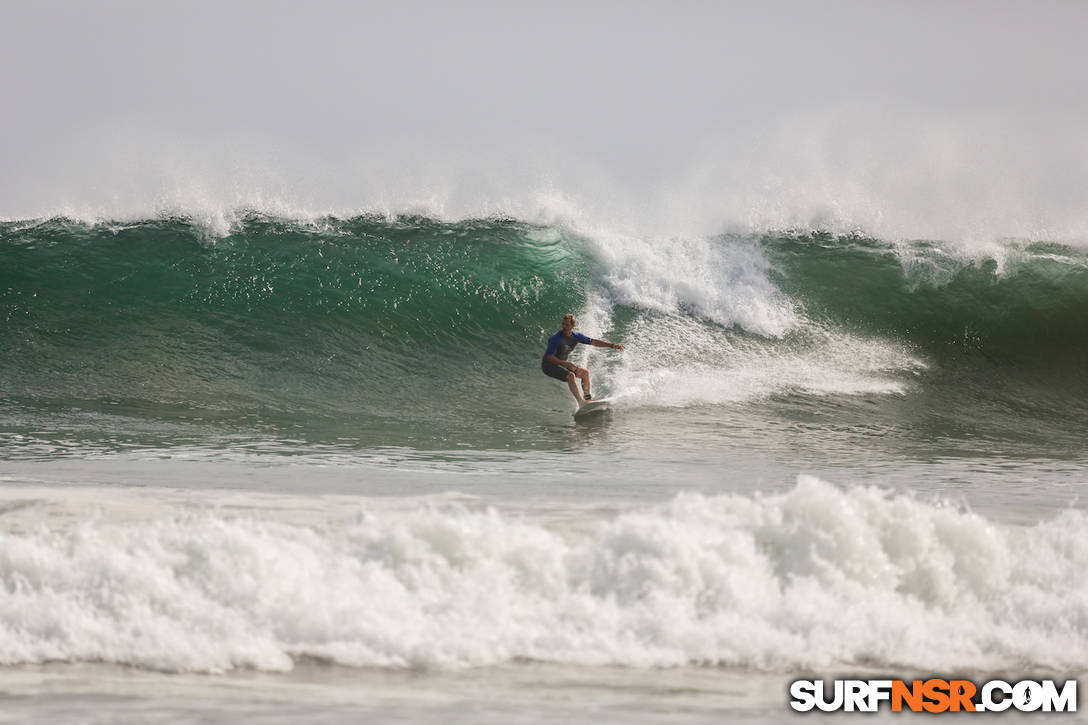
(814, 577)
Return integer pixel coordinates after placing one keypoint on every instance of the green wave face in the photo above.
(351, 326)
(1005, 339)
(1029, 304)
(422, 334)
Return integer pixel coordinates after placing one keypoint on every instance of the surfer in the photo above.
(556, 365)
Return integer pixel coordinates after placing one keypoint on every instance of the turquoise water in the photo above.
(369, 333)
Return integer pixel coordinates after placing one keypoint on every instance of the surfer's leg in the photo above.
(572, 381)
(584, 375)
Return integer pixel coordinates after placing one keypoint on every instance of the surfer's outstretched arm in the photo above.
(605, 343)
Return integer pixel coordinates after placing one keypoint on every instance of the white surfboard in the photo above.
(593, 407)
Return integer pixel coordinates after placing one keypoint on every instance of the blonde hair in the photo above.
(568, 316)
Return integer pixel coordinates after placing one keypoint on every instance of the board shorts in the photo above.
(555, 371)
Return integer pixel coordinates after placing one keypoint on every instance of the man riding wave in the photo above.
(555, 363)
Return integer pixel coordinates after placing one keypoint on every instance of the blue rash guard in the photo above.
(561, 346)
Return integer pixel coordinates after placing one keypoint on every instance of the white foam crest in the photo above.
(815, 577)
(722, 280)
(673, 361)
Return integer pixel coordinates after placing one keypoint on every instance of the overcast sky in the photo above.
(333, 101)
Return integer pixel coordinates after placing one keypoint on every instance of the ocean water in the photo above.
(278, 468)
